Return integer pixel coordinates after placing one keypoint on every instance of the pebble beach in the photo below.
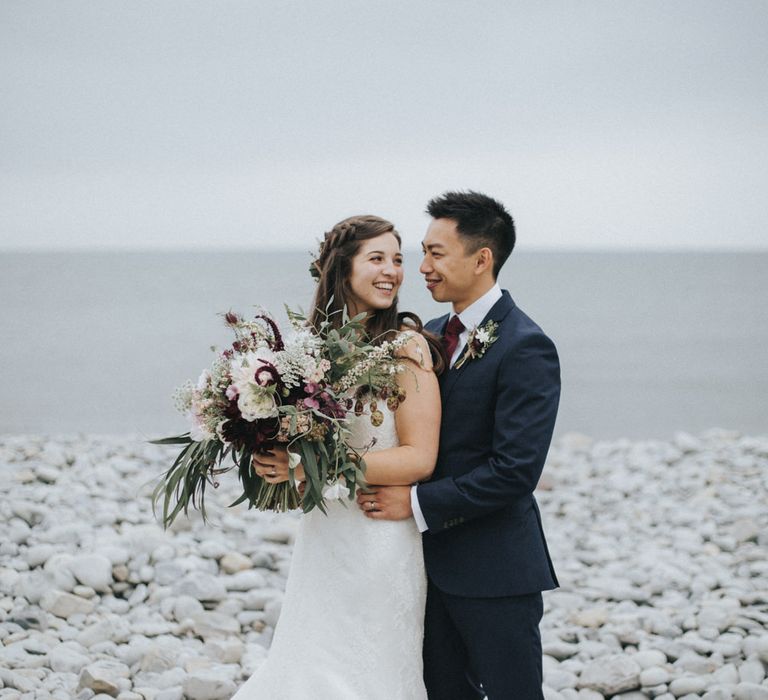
(661, 548)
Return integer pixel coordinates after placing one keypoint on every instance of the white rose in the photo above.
(255, 403)
(243, 368)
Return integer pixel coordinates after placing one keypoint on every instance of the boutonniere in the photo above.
(479, 340)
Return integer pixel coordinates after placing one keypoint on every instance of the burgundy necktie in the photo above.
(451, 336)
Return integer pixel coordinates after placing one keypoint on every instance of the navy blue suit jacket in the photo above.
(485, 537)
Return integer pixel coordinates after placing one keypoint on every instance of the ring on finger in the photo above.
(372, 505)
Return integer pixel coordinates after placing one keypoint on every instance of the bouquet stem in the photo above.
(277, 497)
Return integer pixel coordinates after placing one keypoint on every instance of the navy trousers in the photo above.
(477, 647)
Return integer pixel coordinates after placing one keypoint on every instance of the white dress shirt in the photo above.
(471, 317)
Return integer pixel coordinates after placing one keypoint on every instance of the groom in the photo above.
(484, 548)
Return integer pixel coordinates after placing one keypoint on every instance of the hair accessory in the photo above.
(336, 237)
(314, 265)
(314, 270)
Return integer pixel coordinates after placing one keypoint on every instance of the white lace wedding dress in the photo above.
(352, 620)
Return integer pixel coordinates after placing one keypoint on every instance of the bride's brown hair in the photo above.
(333, 269)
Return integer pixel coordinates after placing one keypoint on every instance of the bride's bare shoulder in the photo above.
(415, 348)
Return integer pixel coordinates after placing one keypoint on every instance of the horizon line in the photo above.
(297, 249)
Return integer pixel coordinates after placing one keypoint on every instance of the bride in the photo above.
(352, 619)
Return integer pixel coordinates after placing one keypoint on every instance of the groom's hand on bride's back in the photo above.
(385, 502)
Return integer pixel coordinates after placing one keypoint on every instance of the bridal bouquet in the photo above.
(267, 390)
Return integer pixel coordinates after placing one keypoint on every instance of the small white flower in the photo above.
(335, 491)
(183, 397)
(482, 335)
(202, 382)
(293, 460)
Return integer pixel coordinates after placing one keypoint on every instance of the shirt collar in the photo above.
(473, 315)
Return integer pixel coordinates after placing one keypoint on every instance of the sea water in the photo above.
(650, 343)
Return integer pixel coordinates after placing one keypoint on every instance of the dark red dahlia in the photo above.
(250, 436)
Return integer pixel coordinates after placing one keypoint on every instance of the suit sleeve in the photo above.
(527, 397)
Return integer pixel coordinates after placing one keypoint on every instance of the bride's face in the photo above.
(377, 273)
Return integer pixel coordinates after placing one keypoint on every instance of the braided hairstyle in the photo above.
(333, 269)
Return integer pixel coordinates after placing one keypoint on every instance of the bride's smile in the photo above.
(377, 273)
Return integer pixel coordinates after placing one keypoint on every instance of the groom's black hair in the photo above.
(482, 222)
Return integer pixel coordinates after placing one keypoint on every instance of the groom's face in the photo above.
(448, 268)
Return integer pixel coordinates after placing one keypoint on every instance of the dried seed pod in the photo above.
(317, 434)
(393, 403)
(377, 418)
(358, 408)
(374, 405)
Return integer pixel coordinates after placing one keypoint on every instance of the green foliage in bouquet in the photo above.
(264, 392)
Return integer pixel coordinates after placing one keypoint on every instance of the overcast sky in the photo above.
(601, 124)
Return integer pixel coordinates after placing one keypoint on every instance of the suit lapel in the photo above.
(437, 325)
(498, 312)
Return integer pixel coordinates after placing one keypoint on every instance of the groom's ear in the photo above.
(483, 261)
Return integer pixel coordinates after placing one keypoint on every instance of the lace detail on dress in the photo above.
(352, 621)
